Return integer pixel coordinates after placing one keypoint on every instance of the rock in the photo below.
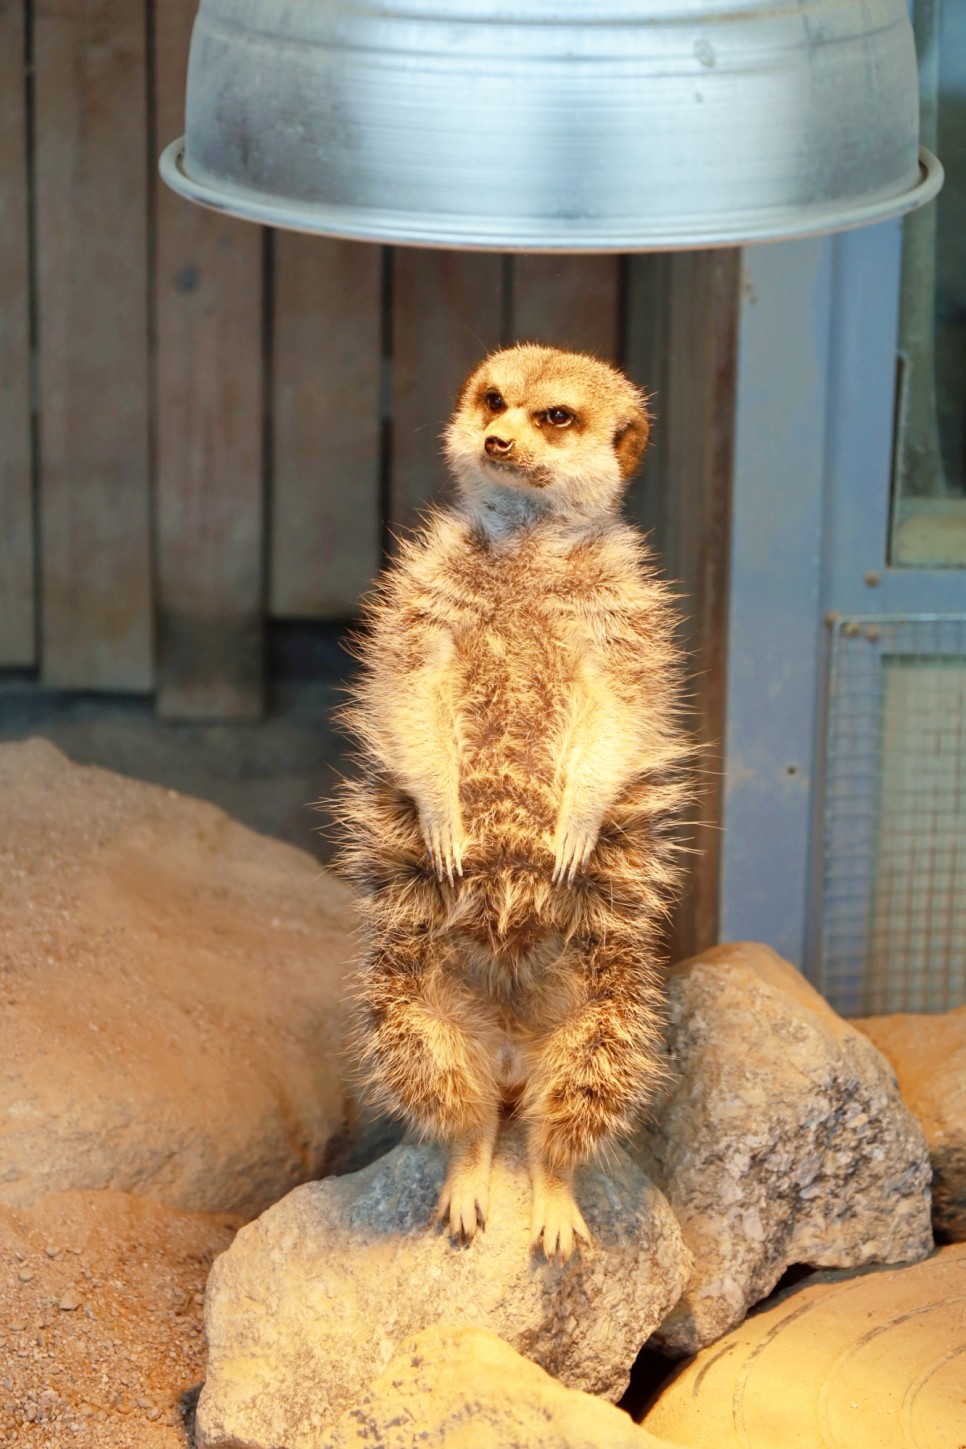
(103, 1345)
(313, 1299)
(928, 1055)
(169, 995)
(464, 1388)
(872, 1361)
(782, 1140)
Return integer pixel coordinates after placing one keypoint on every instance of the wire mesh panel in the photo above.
(894, 888)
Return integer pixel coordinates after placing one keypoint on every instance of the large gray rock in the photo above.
(170, 986)
(311, 1301)
(928, 1054)
(782, 1140)
(464, 1388)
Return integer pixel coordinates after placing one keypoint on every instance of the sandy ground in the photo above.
(101, 1320)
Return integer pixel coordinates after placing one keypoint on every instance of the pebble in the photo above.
(26, 1275)
(70, 1300)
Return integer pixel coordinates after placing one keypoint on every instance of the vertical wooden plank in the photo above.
(682, 341)
(209, 412)
(648, 361)
(447, 311)
(326, 425)
(17, 632)
(568, 301)
(91, 211)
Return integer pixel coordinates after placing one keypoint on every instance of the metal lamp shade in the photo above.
(598, 125)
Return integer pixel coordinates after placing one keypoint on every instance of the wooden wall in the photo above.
(206, 425)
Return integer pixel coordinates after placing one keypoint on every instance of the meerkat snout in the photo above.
(545, 432)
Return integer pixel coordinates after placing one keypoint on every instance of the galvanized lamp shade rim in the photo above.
(421, 229)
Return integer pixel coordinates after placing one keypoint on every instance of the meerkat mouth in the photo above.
(503, 468)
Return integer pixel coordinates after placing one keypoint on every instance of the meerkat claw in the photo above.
(460, 1208)
(445, 851)
(572, 855)
(465, 1193)
(558, 1235)
(557, 1222)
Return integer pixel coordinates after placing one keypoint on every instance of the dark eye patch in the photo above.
(493, 401)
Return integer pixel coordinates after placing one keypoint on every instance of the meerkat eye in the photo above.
(494, 401)
(560, 417)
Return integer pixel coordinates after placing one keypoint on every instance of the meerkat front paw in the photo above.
(573, 846)
(445, 842)
(557, 1222)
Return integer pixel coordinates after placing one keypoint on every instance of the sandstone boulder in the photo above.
(928, 1055)
(170, 987)
(310, 1303)
(872, 1360)
(464, 1388)
(782, 1140)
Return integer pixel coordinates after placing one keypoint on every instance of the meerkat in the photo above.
(518, 720)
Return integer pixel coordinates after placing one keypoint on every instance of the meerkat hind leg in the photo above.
(465, 1196)
(557, 1221)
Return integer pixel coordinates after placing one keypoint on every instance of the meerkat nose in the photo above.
(498, 447)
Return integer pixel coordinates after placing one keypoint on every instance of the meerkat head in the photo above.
(540, 432)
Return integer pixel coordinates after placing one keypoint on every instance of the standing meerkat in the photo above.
(518, 717)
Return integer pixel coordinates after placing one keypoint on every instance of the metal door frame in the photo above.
(817, 347)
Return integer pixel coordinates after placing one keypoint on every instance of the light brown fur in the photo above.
(518, 720)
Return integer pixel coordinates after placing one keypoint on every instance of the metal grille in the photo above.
(894, 897)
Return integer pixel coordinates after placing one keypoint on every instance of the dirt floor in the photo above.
(101, 1293)
(101, 1337)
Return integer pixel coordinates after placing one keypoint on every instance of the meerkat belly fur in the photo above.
(518, 719)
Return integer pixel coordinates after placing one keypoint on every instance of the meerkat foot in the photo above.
(557, 1223)
(465, 1196)
(463, 1203)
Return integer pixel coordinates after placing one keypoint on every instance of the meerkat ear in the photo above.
(630, 440)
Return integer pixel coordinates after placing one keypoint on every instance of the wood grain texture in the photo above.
(447, 312)
(92, 272)
(326, 425)
(682, 341)
(17, 624)
(568, 301)
(209, 495)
